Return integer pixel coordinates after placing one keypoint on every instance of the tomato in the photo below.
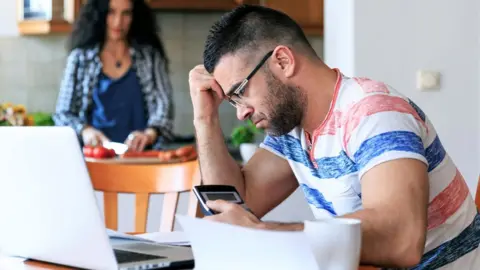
(102, 152)
(88, 151)
(112, 153)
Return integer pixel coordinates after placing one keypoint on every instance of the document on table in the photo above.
(120, 235)
(222, 246)
(11, 262)
(176, 238)
(329, 244)
(168, 238)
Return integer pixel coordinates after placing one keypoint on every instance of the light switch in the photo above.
(428, 80)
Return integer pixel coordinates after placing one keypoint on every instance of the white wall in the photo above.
(339, 35)
(8, 18)
(393, 39)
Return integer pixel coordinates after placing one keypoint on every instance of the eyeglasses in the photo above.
(234, 97)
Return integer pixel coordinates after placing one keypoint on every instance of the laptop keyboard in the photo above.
(128, 256)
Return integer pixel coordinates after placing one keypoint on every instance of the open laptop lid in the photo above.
(48, 208)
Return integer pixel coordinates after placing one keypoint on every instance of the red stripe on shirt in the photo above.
(375, 104)
(371, 86)
(333, 123)
(447, 202)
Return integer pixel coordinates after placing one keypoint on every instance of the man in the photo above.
(357, 148)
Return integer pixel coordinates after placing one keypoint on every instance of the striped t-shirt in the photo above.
(370, 123)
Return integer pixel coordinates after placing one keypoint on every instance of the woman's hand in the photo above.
(92, 136)
(138, 140)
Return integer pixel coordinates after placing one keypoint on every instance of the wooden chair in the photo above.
(142, 180)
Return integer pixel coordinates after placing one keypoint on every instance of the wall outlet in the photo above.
(428, 80)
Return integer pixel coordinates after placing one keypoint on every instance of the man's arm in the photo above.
(264, 182)
(394, 218)
(394, 215)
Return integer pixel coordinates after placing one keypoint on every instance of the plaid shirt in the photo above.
(81, 75)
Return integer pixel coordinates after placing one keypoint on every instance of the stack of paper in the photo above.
(332, 244)
(11, 262)
(222, 246)
(168, 238)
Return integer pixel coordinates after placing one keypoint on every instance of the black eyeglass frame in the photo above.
(241, 88)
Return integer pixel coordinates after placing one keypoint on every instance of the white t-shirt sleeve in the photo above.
(274, 145)
(382, 127)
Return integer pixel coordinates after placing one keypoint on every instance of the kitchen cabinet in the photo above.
(307, 13)
(197, 5)
(43, 17)
(40, 17)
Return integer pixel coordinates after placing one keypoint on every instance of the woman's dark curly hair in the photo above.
(90, 28)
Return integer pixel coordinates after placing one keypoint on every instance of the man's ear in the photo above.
(284, 60)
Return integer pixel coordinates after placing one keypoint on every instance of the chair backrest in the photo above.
(142, 180)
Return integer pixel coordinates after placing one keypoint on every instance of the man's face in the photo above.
(268, 99)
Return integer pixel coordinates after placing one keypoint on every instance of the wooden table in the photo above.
(34, 265)
(6, 263)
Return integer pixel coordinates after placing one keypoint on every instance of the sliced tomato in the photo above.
(102, 152)
(88, 151)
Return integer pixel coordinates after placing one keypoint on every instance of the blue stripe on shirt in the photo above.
(435, 154)
(373, 147)
(274, 143)
(327, 167)
(316, 198)
(419, 111)
(335, 167)
(291, 148)
(448, 252)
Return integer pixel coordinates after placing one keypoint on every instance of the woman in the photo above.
(116, 86)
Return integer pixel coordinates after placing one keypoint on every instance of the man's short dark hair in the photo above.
(253, 29)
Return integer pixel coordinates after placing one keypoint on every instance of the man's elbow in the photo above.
(410, 258)
(410, 249)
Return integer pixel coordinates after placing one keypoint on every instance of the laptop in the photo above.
(49, 212)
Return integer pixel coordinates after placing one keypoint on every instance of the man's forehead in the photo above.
(231, 69)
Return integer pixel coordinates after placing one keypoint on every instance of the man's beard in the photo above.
(286, 105)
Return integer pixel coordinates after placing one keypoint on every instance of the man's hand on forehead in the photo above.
(200, 74)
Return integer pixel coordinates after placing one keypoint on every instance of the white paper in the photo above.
(177, 238)
(11, 262)
(169, 238)
(223, 246)
(120, 235)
